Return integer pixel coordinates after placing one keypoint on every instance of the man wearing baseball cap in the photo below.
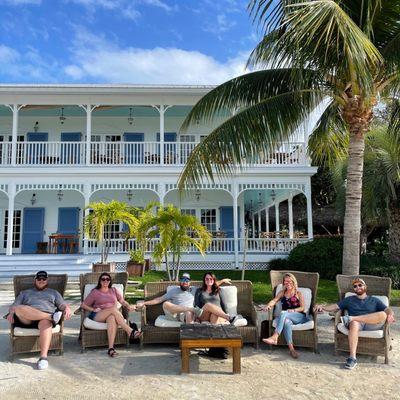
(178, 301)
(39, 307)
(365, 313)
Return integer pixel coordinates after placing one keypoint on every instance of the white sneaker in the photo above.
(42, 364)
(56, 317)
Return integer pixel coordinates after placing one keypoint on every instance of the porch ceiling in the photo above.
(261, 198)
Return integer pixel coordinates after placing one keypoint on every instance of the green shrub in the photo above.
(324, 255)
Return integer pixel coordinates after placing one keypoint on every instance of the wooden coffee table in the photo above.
(202, 335)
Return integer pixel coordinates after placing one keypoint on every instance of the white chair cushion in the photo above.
(241, 321)
(32, 332)
(300, 327)
(378, 334)
(163, 322)
(90, 286)
(307, 294)
(94, 325)
(229, 298)
(383, 299)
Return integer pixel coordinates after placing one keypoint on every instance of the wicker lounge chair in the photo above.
(375, 346)
(155, 334)
(98, 337)
(301, 338)
(25, 340)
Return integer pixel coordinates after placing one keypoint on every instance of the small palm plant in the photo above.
(102, 214)
(176, 232)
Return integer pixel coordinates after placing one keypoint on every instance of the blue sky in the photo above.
(124, 41)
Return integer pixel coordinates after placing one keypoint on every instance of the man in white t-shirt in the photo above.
(178, 302)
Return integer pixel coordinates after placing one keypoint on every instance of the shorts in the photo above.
(18, 323)
(174, 317)
(92, 315)
(370, 327)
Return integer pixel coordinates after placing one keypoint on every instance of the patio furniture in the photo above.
(304, 335)
(92, 333)
(375, 343)
(67, 243)
(169, 333)
(26, 340)
(200, 335)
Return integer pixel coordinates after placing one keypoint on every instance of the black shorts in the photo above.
(32, 325)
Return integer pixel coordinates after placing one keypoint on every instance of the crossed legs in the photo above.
(214, 314)
(356, 325)
(27, 315)
(114, 319)
(174, 309)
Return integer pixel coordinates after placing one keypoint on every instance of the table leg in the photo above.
(236, 360)
(185, 353)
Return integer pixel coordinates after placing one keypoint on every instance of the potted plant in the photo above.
(100, 215)
(176, 232)
(136, 263)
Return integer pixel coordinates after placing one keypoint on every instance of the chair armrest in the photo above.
(78, 311)
(143, 317)
(254, 314)
(338, 314)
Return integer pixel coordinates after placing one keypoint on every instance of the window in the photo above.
(187, 138)
(208, 218)
(113, 138)
(16, 242)
(188, 211)
(95, 138)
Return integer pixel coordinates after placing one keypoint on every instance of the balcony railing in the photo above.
(130, 153)
(218, 246)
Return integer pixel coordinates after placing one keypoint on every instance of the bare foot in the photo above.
(271, 340)
(294, 354)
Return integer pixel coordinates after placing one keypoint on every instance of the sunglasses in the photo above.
(41, 279)
(105, 279)
(184, 280)
(358, 285)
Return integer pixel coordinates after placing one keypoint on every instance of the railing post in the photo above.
(10, 226)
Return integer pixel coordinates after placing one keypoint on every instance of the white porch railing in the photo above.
(218, 245)
(50, 153)
(131, 153)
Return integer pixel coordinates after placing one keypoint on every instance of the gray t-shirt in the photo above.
(47, 300)
(180, 297)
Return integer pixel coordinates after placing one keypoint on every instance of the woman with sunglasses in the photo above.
(293, 313)
(102, 304)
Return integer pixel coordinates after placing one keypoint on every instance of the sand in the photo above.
(154, 372)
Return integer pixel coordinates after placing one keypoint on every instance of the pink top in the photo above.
(103, 300)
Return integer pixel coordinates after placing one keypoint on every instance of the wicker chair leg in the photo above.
(61, 352)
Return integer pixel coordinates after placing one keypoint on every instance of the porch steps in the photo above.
(30, 264)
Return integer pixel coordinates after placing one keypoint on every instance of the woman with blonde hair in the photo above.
(292, 313)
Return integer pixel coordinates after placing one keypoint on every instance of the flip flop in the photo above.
(111, 352)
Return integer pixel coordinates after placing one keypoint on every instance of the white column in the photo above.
(253, 224)
(162, 109)
(259, 223)
(310, 233)
(10, 227)
(277, 217)
(89, 109)
(267, 219)
(86, 195)
(161, 193)
(290, 209)
(15, 110)
(235, 223)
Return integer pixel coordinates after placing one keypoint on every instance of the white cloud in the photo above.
(20, 2)
(96, 59)
(7, 55)
(160, 4)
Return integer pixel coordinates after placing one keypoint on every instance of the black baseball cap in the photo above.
(41, 275)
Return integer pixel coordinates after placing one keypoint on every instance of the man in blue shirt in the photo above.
(365, 313)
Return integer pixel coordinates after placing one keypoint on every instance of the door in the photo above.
(70, 152)
(68, 224)
(37, 151)
(169, 148)
(226, 221)
(134, 151)
(32, 230)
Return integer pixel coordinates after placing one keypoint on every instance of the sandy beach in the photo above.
(154, 372)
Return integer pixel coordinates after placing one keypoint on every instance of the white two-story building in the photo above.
(64, 146)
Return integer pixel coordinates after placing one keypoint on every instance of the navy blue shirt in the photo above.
(356, 306)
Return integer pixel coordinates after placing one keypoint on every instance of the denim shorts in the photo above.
(92, 315)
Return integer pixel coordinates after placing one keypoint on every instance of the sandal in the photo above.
(294, 354)
(136, 333)
(270, 341)
(111, 352)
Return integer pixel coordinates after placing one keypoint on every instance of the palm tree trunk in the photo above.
(394, 231)
(358, 119)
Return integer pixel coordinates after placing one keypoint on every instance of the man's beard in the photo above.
(184, 288)
(361, 291)
(40, 288)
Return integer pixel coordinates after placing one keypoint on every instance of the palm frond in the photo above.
(251, 134)
(249, 89)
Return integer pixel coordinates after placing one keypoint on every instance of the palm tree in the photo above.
(100, 216)
(343, 52)
(176, 232)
